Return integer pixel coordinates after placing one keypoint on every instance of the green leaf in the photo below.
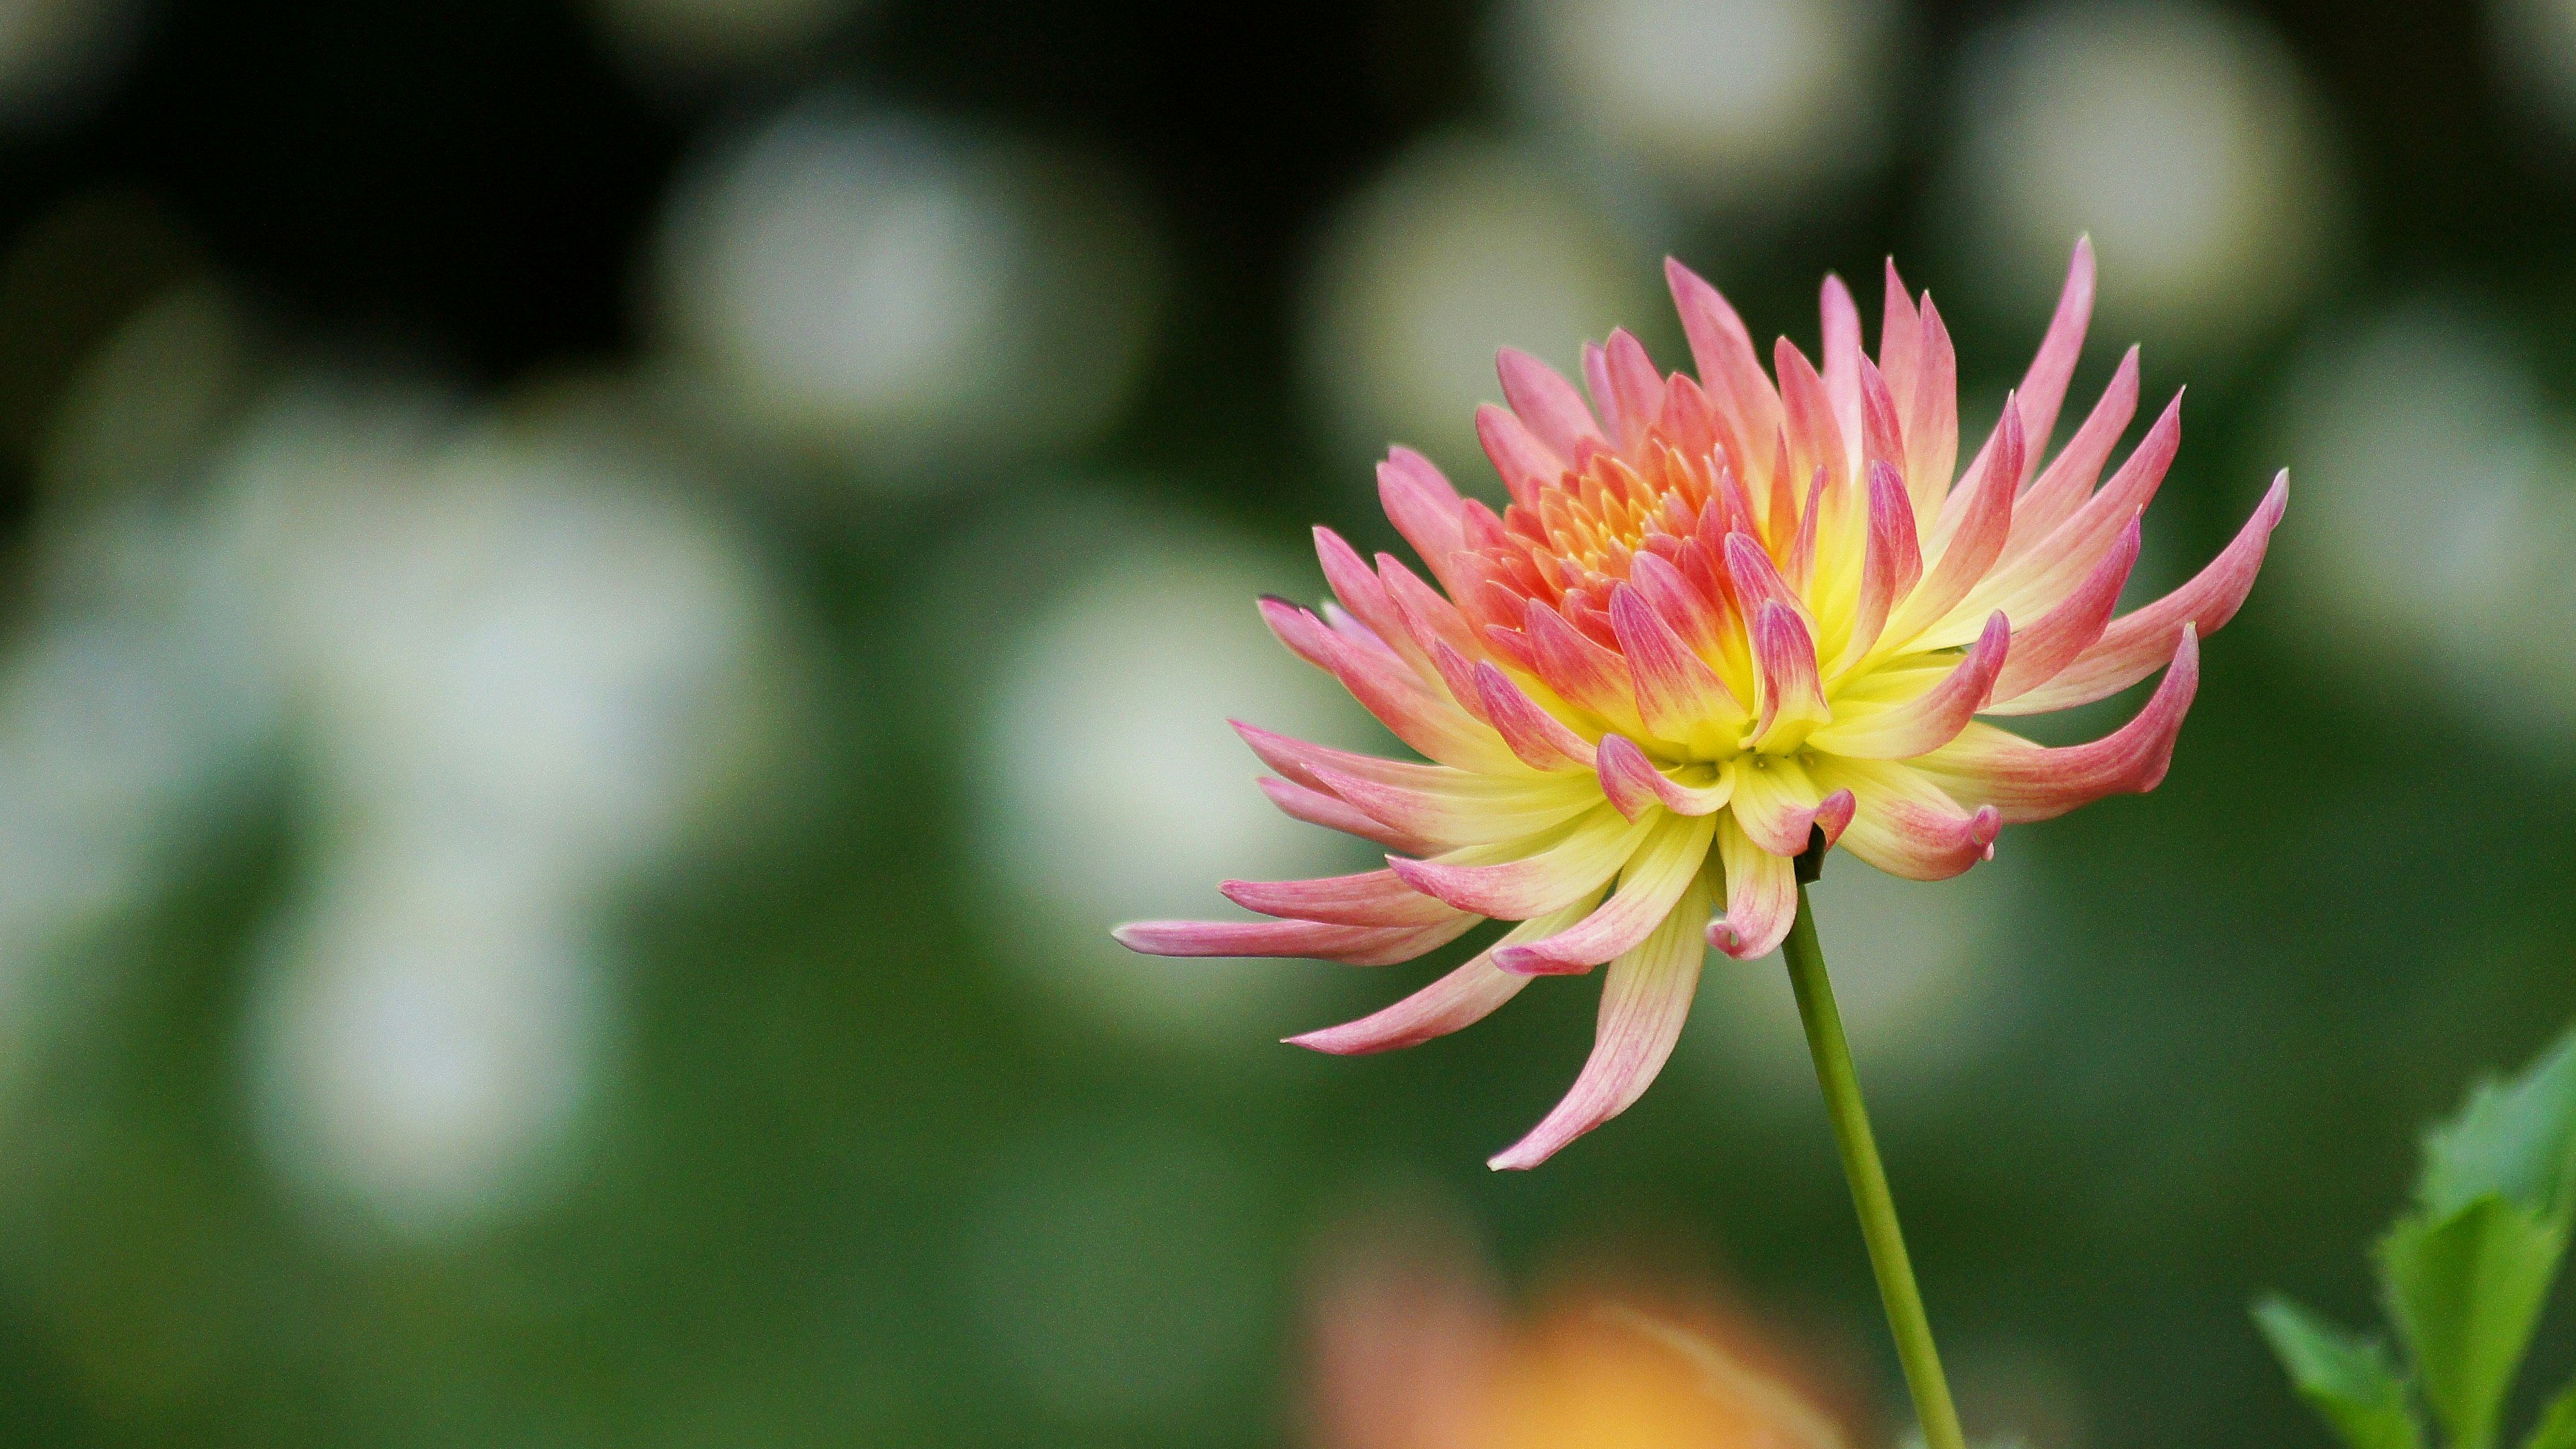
(2466, 1290)
(2557, 1426)
(2515, 1139)
(2347, 1378)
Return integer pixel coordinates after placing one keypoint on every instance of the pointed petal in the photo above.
(1636, 390)
(1815, 438)
(1650, 886)
(1689, 612)
(2069, 480)
(1932, 419)
(1930, 719)
(1400, 700)
(1729, 369)
(2043, 649)
(1891, 565)
(1545, 403)
(2043, 388)
(1645, 998)
(1371, 898)
(1350, 945)
(1904, 824)
(1516, 890)
(2131, 648)
(1842, 360)
(1460, 999)
(1963, 553)
(1300, 802)
(2059, 562)
(1358, 588)
(1457, 818)
(1423, 508)
(1678, 697)
(1633, 783)
(1581, 672)
(1525, 464)
(2028, 782)
(1761, 895)
(1900, 336)
(1540, 739)
(1792, 689)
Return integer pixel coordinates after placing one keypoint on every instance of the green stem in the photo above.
(1905, 1317)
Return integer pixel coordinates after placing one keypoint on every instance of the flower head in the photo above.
(1720, 616)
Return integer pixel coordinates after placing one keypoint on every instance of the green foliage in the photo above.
(2349, 1379)
(2465, 1275)
(2557, 1426)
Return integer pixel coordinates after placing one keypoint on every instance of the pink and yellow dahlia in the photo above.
(1721, 616)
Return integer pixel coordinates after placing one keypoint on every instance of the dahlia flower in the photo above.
(1721, 616)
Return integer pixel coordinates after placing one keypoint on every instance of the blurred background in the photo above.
(604, 600)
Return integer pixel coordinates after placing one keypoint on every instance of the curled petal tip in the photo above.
(1984, 826)
(1834, 814)
(1723, 936)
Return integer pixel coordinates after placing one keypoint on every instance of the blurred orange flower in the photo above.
(1413, 1348)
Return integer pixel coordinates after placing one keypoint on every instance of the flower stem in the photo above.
(1905, 1317)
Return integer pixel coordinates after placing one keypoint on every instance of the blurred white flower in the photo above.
(2182, 137)
(425, 1036)
(1458, 248)
(906, 297)
(1744, 105)
(1109, 783)
(2440, 520)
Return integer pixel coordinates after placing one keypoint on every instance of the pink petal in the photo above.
(2057, 565)
(1761, 895)
(2044, 649)
(1900, 336)
(1904, 824)
(2068, 481)
(2131, 648)
(1842, 360)
(1460, 999)
(1683, 607)
(1535, 884)
(1462, 813)
(1729, 369)
(1423, 508)
(2028, 782)
(1299, 761)
(1581, 672)
(1649, 888)
(1815, 437)
(1299, 802)
(1757, 581)
(1350, 945)
(1540, 739)
(1932, 419)
(1391, 692)
(1792, 693)
(1526, 464)
(1891, 564)
(1930, 719)
(1981, 519)
(1678, 697)
(1360, 591)
(1633, 784)
(1372, 898)
(1427, 616)
(1645, 998)
(1546, 403)
(1882, 431)
(2043, 388)
(1636, 390)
